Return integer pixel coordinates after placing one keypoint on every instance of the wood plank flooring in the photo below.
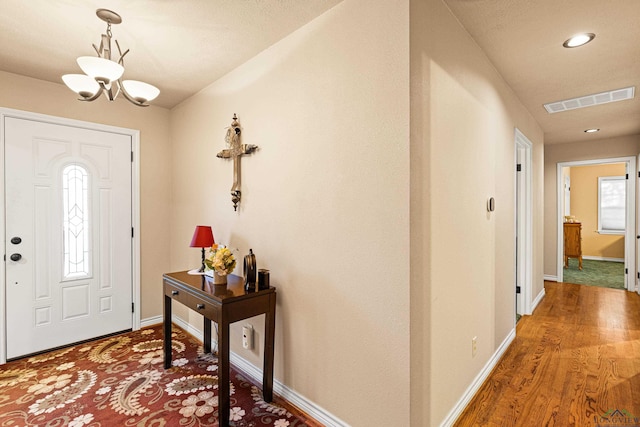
(575, 359)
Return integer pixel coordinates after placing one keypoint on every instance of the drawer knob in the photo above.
(174, 292)
(200, 306)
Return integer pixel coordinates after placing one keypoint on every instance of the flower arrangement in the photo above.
(220, 259)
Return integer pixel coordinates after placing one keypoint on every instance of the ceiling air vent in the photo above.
(590, 100)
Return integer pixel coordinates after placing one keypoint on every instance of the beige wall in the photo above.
(584, 206)
(382, 135)
(23, 93)
(325, 202)
(463, 117)
(554, 154)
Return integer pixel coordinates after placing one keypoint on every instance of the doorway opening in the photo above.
(523, 225)
(596, 222)
(81, 179)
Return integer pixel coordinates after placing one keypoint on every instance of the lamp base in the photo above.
(202, 267)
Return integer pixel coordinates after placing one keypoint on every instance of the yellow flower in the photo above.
(220, 259)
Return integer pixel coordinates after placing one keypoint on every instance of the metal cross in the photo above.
(235, 151)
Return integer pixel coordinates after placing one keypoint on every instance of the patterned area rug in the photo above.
(120, 381)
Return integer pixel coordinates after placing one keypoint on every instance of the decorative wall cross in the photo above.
(235, 151)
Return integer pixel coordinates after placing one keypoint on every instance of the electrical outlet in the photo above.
(247, 336)
(474, 346)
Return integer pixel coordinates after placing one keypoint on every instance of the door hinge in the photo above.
(517, 289)
(132, 232)
(627, 176)
(638, 274)
(518, 167)
(133, 307)
(626, 271)
(132, 157)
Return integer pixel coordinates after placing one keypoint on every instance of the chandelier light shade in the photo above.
(100, 69)
(104, 75)
(81, 84)
(140, 91)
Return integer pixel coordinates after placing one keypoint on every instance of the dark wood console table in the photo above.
(223, 304)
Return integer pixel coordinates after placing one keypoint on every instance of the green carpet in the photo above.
(605, 274)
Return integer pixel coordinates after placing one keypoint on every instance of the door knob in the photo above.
(16, 240)
(16, 257)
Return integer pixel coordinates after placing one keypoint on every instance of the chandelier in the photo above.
(104, 75)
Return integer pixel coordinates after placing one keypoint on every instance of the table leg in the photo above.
(223, 373)
(207, 336)
(269, 337)
(166, 326)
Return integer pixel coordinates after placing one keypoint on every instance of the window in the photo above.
(75, 187)
(612, 191)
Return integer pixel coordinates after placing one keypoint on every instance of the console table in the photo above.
(223, 304)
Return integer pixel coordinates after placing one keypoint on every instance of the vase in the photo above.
(219, 279)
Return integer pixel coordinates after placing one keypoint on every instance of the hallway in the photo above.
(574, 360)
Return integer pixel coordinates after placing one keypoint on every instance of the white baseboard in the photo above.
(196, 332)
(150, 321)
(453, 415)
(299, 401)
(601, 258)
(536, 301)
(550, 278)
(308, 407)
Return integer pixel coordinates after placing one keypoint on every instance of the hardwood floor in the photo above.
(576, 358)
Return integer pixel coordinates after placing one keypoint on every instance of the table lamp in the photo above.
(202, 238)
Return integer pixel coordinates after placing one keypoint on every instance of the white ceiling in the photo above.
(182, 46)
(523, 39)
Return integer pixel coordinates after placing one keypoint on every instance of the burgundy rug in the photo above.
(120, 381)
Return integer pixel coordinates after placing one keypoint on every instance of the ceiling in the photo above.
(523, 39)
(169, 39)
(180, 46)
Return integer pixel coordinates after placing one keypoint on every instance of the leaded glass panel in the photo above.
(75, 189)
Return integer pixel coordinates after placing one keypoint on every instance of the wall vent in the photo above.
(590, 100)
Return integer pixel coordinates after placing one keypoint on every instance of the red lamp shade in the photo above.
(202, 237)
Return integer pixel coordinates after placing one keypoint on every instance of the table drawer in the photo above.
(207, 309)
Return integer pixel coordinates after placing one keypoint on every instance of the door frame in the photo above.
(636, 280)
(524, 223)
(135, 206)
(630, 234)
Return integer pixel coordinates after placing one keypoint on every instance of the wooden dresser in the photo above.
(572, 243)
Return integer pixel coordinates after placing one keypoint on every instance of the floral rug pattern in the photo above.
(120, 381)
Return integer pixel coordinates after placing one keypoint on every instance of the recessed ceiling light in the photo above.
(592, 130)
(579, 40)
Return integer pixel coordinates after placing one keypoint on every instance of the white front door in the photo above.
(68, 243)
